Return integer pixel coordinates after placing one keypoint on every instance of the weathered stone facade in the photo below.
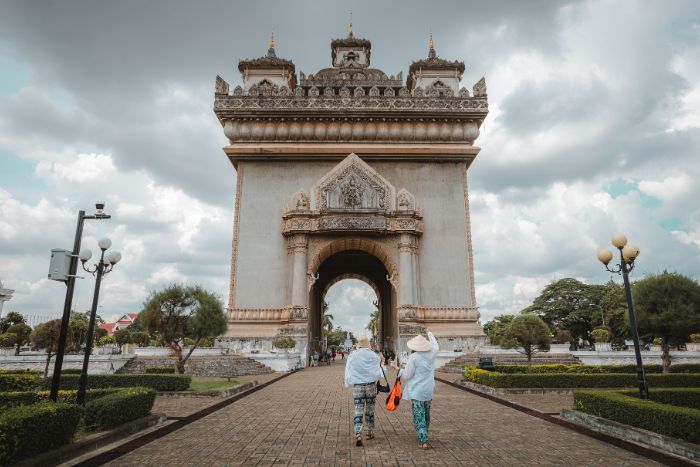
(350, 172)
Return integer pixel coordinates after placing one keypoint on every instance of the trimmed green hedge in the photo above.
(126, 380)
(592, 369)
(29, 430)
(19, 381)
(161, 370)
(682, 397)
(21, 372)
(581, 380)
(117, 408)
(14, 399)
(670, 420)
(71, 371)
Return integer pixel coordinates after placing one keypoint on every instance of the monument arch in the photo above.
(351, 171)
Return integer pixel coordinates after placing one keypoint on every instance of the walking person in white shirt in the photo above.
(363, 370)
(419, 379)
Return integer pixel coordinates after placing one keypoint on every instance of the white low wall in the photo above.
(99, 364)
(165, 351)
(626, 357)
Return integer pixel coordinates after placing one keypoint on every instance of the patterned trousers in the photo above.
(364, 396)
(421, 419)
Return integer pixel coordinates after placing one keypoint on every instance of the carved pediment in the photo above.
(353, 185)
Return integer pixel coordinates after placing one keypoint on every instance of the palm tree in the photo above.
(373, 325)
(326, 321)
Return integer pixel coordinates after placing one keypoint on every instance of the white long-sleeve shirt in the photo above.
(419, 374)
(363, 367)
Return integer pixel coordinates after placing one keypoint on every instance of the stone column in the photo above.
(406, 283)
(298, 247)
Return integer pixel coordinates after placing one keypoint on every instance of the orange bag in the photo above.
(394, 398)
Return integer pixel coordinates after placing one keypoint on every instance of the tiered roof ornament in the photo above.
(350, 101)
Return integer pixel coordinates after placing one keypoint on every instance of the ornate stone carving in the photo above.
(238, 91)
(344, 92)
(353, 185)
(352, 223)
(374, 91)
(221, 86)
(313, 91)
(406, 202)
(480, 88)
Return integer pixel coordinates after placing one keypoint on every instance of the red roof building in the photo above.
(122, 323)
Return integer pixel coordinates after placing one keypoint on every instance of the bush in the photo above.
(71, 371)
(19, 381)
(14, 399)
(682, 397)
(29, 430)
(563, 336)
(21, 372)
(117, 408)
(577, 369)
(581, 380)
(670, 420)
(284, 343)
(157, 382)
(686, 368)
(601, 335)
(160, 370)
(695, 337)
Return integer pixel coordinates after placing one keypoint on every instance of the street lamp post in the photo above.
(628, 253)
(103, 266)
(602, 313)
(68, 303)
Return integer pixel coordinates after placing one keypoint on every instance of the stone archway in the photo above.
(360, 264)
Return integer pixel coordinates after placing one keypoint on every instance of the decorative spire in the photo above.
(350, 26)
(271, 45)
(431, 47)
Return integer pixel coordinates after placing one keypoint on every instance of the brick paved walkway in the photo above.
(305, 419)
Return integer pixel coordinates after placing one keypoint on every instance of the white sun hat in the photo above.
(419, 344)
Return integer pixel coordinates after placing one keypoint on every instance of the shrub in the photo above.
(670, 420)
(582, 380)
(160, 370)
(695, 337)
(157, 382)
(19, 381)
(117, 408)
(284, 343)
(686, 368)
(20, 372)
(563, 336)
(586, 369)
(71, 371)
(13, 399)
(658, 341)
(601, 335)
(29, 430)
(682, 397)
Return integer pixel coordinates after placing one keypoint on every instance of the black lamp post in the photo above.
(103, 266)
(68, 303)
(628, 253)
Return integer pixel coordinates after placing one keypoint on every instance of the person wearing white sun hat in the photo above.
(363, 370)
(419, 379)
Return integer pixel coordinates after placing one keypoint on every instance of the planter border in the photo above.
(633, 434)
(220, 393)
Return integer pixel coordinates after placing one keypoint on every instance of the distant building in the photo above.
(122, 323)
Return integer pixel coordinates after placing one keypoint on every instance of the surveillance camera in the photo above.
(99, 206)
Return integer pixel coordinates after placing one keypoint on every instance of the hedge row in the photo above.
(558, 368)
(119, 407)
(20, 372)
(161, 370)
(670, 420)
(19, 381)
(682, 397)
(582, 380)
(157, 382)
(29, 430)
(13, 399)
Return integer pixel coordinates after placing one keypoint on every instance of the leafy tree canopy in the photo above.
(497, 328)
(529, 334)
(11, 319)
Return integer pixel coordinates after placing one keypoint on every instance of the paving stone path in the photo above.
(306, 419)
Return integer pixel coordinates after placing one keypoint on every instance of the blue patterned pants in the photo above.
(364, 396)
(421, 419)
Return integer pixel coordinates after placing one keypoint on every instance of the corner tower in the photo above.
(350, 172)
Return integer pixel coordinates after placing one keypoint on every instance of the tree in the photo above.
(529, 333)
(140, 338)
(100, 333)
(374, 324)
(45, 336)
(178, 312)
(497, 328)
(667, 305)
(8, 340)
(614, 305)
(568, 304)
(106, 340)
(21, 332)
(123, 336)
(11, 319)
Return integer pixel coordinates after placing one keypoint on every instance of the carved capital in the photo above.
(297, 243)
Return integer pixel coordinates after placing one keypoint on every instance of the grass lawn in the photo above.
(212, 384)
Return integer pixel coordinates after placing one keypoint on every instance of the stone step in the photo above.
(224, 366)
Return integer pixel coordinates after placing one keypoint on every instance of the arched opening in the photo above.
(352, 302)
(358, 265)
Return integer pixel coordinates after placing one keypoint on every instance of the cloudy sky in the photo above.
(594, 127)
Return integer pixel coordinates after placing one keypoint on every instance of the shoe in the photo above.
(358, 440)
(369, 436)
